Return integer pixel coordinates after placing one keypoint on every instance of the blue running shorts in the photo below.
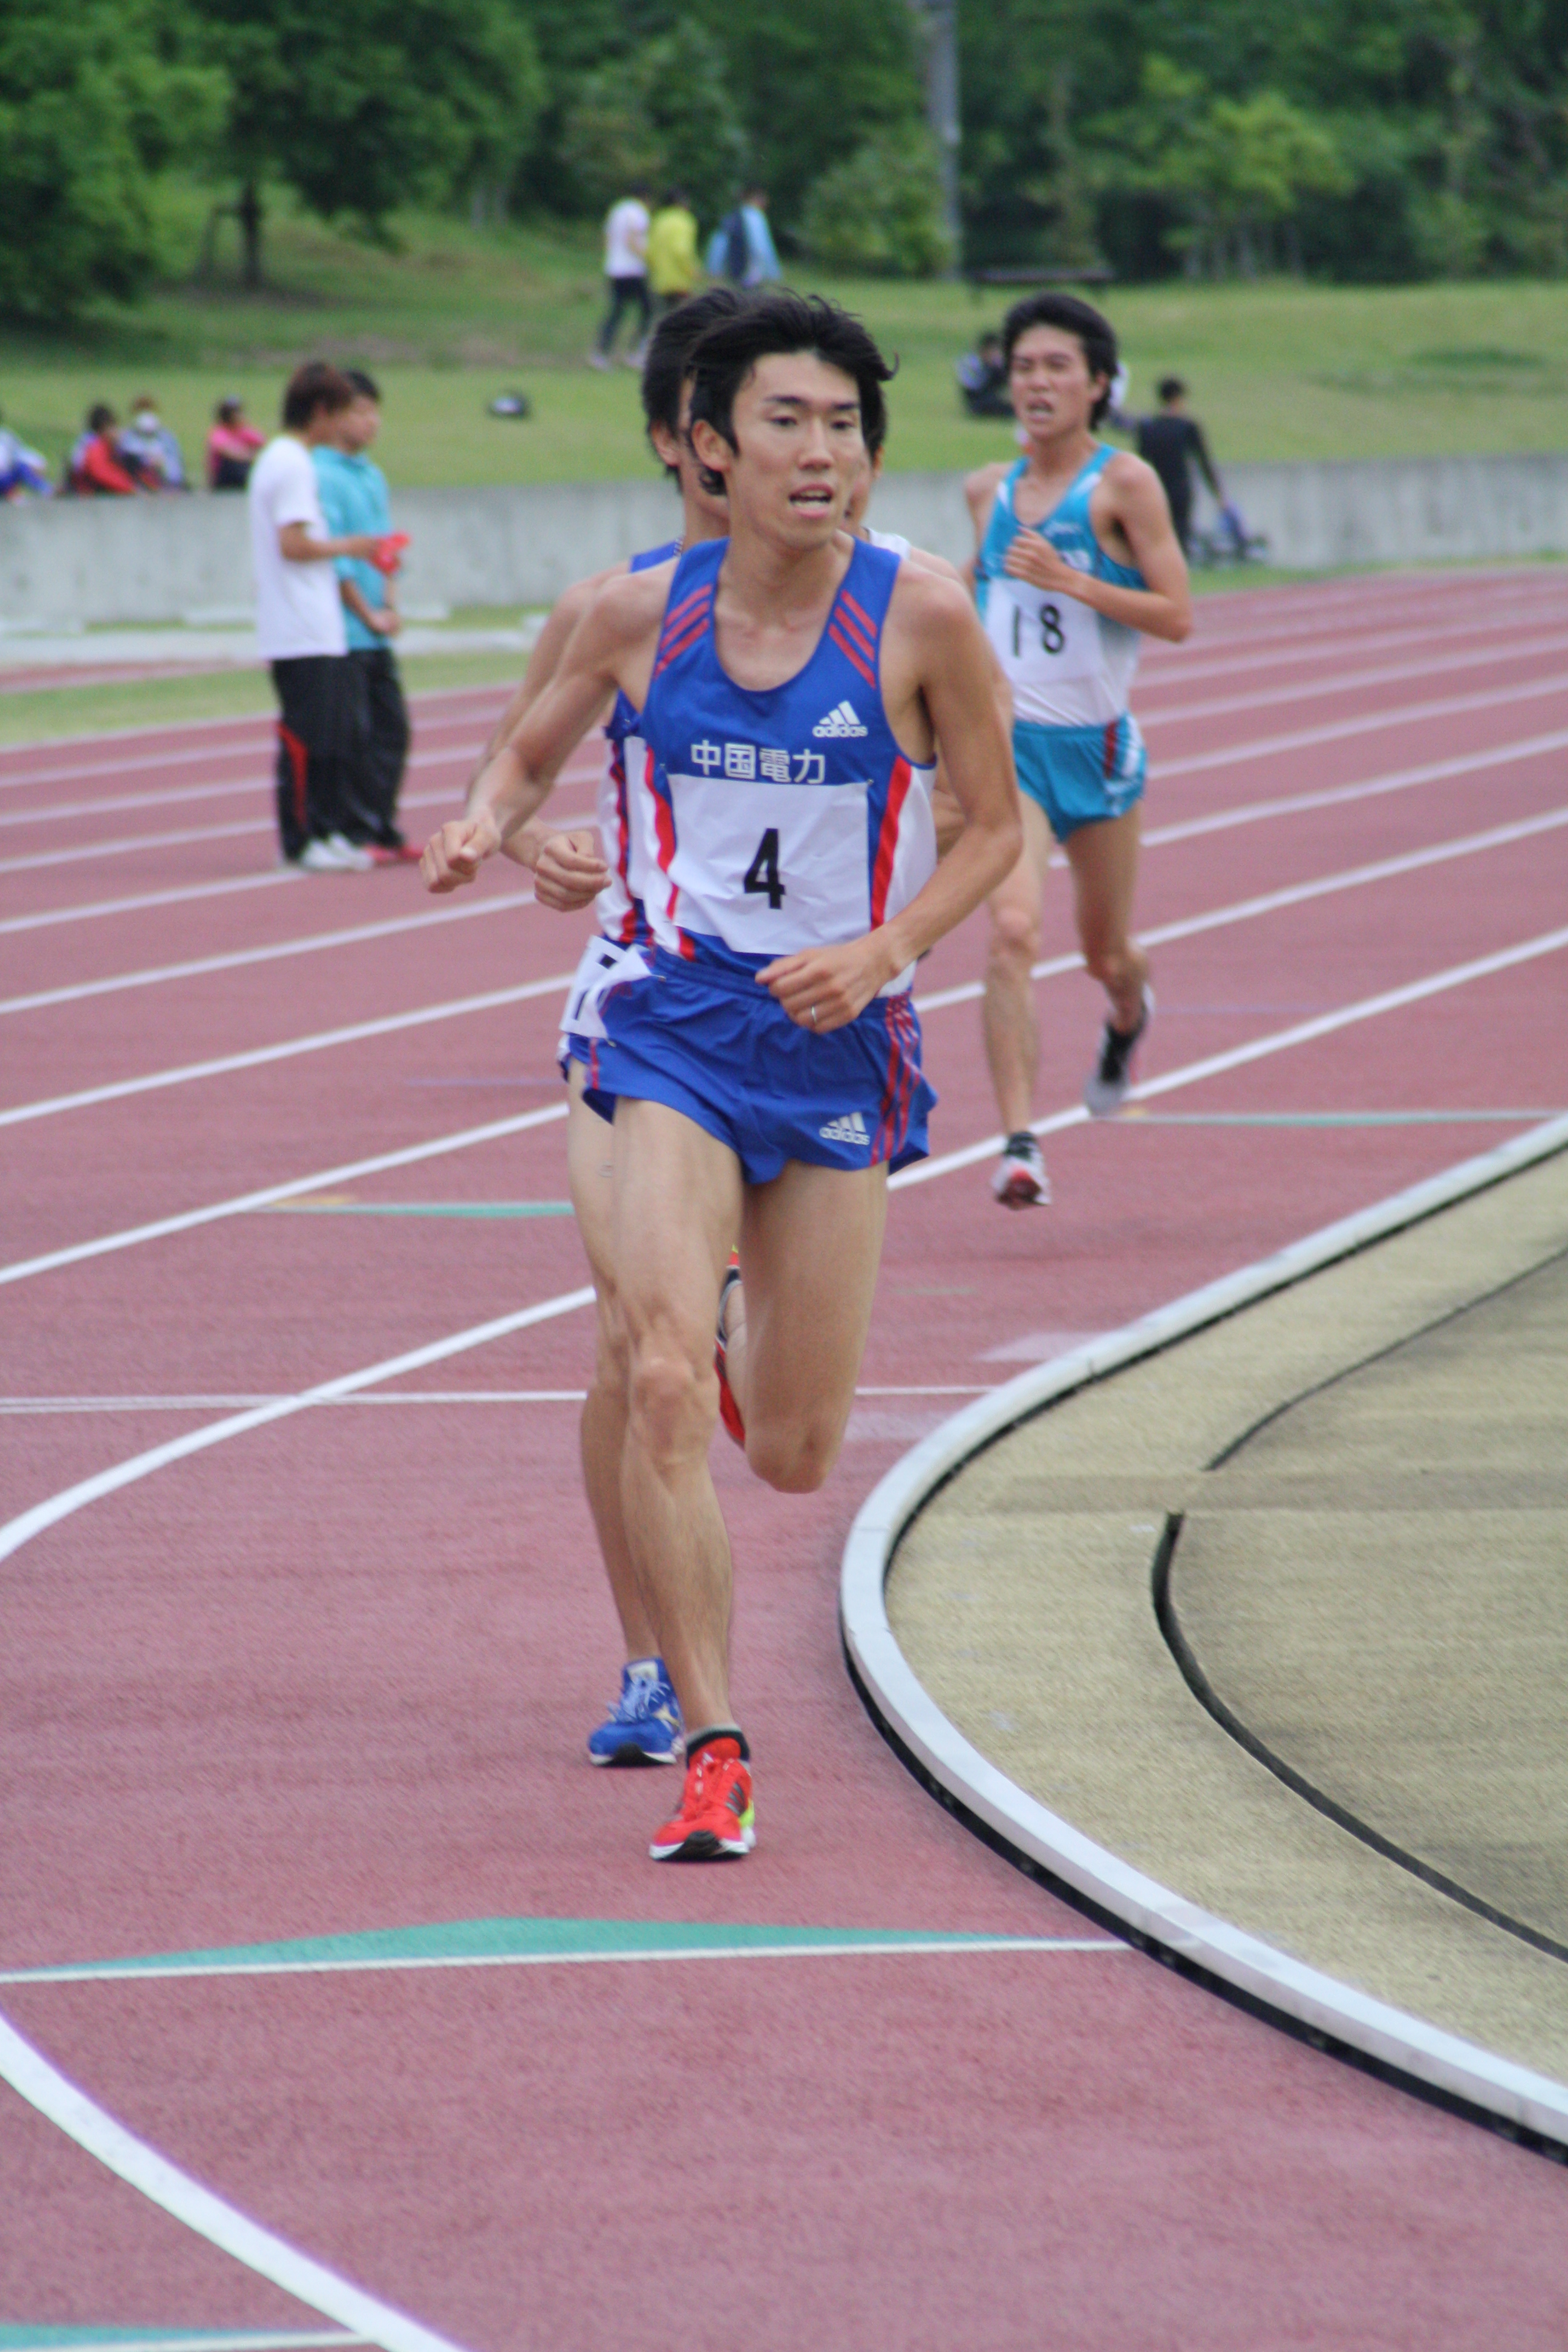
(703, 1037)
(1080, 775)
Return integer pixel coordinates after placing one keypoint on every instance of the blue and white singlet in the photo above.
(786, 818)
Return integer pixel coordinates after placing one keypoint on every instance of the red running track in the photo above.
(333, 1673)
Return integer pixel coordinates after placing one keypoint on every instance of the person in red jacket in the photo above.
(93, 468)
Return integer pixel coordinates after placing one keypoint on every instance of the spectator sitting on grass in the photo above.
(21, 468)
(672, 250)
(982, 379)
(149, 451)
(93, 468)
(232, 445)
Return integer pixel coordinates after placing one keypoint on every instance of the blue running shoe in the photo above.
(644, 1726)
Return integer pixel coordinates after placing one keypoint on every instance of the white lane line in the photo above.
(895, 1948)
(1286, 648)
(72, 1499)
(211, 2217)
(1237, 1057)
(1353, 681)
(1294, 893)
(145, 899)
(128, 844)
(1345, 682)
(309, 945)
(124, 848)
(258, 746)
(1260, 747)
(1401, 780)
(1244, 911)
(241, 1203)
(177, 2339)
(186, 1220)
(1369, 723)
(219, 789)
(188, 1072)
(123, 1404)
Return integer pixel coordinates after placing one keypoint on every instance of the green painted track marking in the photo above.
(503, 1943)
(1330, 1117)
(169, 2339)
(329, 1207)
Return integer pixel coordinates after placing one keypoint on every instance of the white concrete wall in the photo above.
(160, 560)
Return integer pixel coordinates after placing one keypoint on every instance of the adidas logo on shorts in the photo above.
(851, 1128)
(842, 720)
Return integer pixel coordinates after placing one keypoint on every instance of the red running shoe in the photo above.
(717, 1816)
(729, 1411)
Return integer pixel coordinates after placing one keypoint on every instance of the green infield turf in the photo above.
(1278, 369)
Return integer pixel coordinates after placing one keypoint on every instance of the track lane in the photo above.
(441, 1704)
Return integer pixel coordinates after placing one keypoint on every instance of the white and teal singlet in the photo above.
(1077, 746)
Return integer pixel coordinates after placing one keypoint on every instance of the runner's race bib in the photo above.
(604, 966)
(1041, 638)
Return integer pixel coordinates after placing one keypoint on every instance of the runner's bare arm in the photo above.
(527, 844)
(620, 625)
(1133, 508)
(936, 670)
(980, 495)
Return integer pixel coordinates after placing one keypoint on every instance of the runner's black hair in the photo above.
(1093, 330)
(780, 320)
(365, 386)
(670, 349)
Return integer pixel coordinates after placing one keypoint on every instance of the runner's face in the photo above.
(797, 425)
(672, 450)
(861, 497)
(1052, 389)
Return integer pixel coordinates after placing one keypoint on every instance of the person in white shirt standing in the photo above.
(625, 274)
(299, 624)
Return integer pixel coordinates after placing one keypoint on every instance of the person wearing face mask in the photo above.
(150, 450)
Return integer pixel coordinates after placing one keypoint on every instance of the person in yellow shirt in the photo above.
(672, 250)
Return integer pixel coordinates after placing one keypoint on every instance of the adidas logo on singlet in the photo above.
(842, 721)
(851, 1128)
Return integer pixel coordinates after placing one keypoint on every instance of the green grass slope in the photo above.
(1277, 370)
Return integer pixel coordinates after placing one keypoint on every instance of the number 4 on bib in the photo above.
(763, 873)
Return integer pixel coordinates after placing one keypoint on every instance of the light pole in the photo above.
(938, 22)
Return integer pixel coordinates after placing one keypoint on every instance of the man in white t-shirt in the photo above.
(625, 274)
(299, 624)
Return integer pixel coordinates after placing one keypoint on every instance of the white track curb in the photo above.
(1405, 2043)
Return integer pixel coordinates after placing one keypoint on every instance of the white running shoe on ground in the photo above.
(1105, 1088)
(320, 857)
(354, 859)
(1019, 1180)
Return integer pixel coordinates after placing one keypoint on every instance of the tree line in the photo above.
(1421, 137)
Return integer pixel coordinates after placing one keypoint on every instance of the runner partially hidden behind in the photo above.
(614, 864)
(1076, 557)
(762, 1071)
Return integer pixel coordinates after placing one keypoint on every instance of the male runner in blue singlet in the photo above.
(764, 1075)
(571, 868)
(1076, 557)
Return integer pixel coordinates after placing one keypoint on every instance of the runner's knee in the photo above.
(673, 1398)
(1014, 934)
(793, 1457)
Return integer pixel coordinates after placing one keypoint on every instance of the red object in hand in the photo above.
(388, 556)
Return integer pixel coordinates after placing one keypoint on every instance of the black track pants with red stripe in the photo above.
(315, 727)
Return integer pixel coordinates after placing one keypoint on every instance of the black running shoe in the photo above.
(1105, 1088)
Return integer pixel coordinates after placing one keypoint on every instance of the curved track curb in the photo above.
(1393, 2040)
